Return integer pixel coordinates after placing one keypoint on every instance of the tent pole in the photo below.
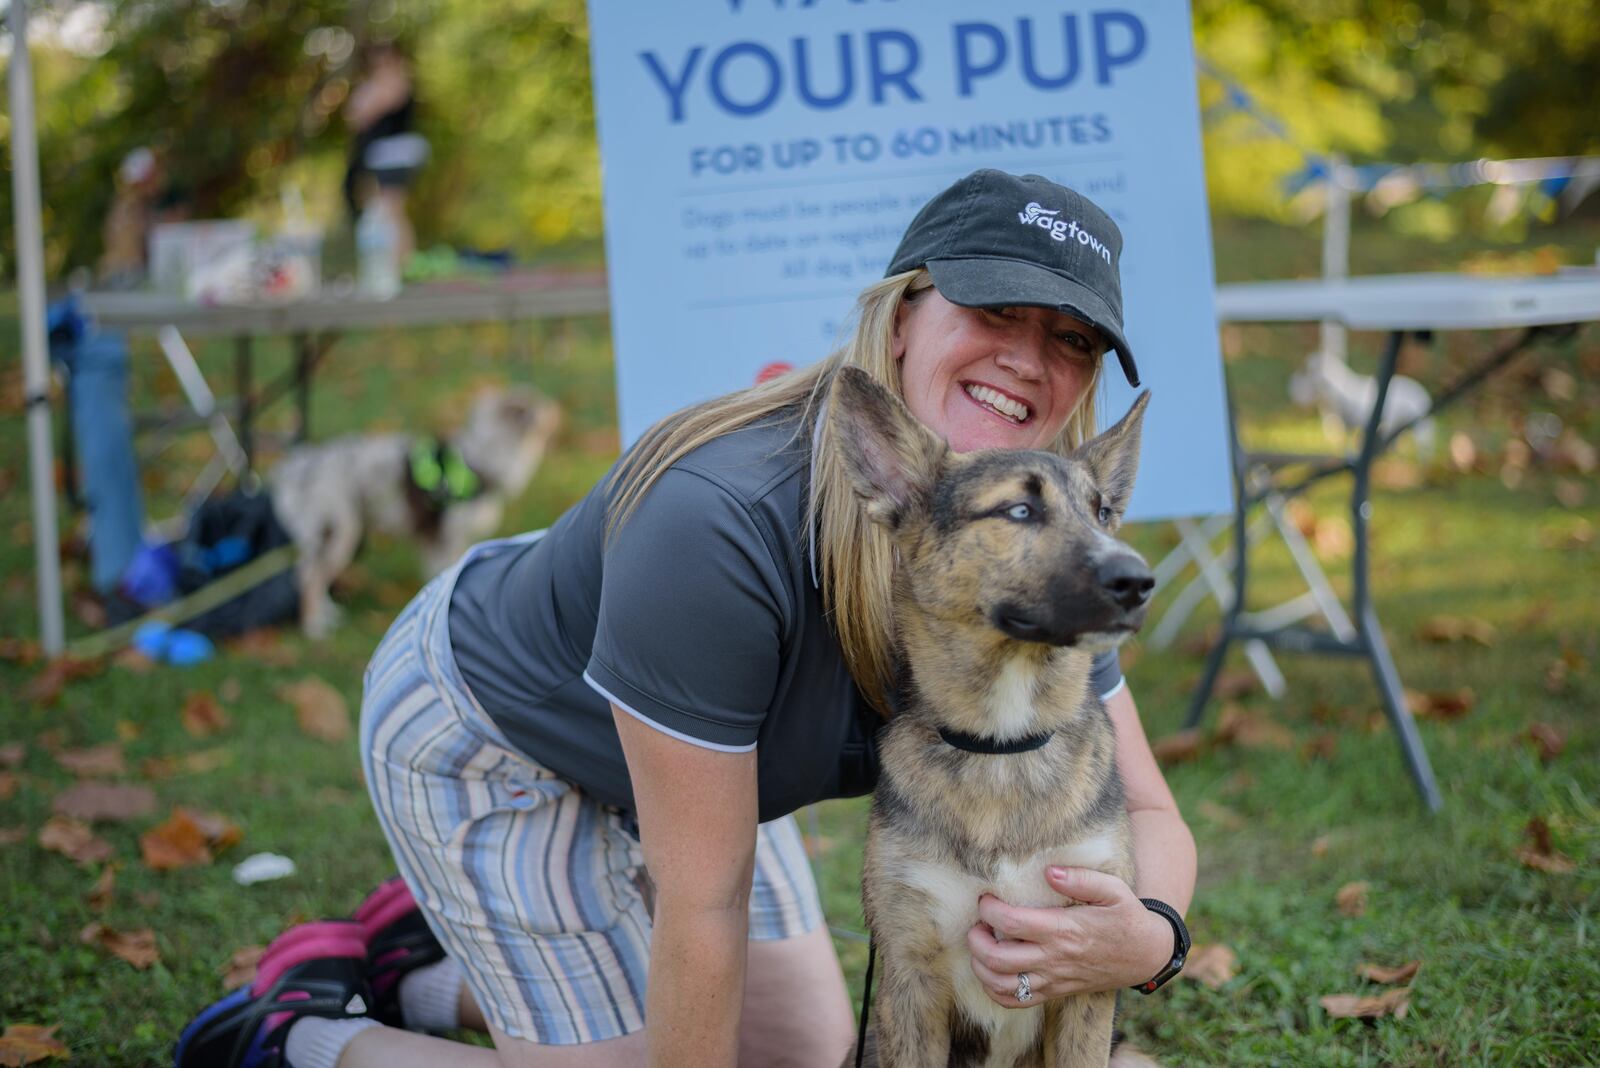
(26, 210)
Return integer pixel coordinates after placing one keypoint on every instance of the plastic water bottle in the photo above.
(377, 252)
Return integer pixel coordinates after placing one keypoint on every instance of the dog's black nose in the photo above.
(1126, 578)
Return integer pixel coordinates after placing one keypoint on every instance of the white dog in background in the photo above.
(1345, 399)
(442, 494)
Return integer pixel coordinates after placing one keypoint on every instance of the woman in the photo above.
(585, 745)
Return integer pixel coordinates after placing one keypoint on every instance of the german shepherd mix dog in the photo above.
(1008, 580)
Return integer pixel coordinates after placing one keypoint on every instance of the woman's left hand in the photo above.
(1108, 942)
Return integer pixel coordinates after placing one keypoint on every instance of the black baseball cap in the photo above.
(994, 240)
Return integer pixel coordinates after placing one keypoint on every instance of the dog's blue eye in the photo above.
(1020, 512)
(1105, 515)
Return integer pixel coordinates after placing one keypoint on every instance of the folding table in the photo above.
(1399, 304)
(316, 323)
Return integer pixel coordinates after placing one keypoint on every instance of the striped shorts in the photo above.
(535, 888)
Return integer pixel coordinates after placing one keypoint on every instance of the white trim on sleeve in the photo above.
(642, 718)
(1122, 684)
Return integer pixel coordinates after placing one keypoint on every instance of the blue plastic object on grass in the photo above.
(166, 644)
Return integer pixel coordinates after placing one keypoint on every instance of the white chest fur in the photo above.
(954, 898)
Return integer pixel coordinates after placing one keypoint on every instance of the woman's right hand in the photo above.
(697, 823)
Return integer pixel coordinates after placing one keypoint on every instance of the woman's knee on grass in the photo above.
(796, 1008)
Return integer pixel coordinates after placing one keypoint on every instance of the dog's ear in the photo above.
(1113, 457)
(891, 458)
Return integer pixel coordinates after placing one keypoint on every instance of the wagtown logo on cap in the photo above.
(1036, 214)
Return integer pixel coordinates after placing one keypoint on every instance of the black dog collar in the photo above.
(971, 743)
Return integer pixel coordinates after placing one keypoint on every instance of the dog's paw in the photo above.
(323, 622)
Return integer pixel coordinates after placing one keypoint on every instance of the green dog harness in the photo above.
(438, 470)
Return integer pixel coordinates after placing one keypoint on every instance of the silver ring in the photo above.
(1024, 988)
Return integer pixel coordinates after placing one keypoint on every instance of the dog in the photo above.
(1008, 580)
(443, 495)
(1345, 399)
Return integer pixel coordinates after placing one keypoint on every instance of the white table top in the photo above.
(1419, 301)
(516, 296)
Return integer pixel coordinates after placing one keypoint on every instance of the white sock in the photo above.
(318, 1042)
(430, 997)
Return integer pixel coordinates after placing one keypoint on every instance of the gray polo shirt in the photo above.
(701, 617)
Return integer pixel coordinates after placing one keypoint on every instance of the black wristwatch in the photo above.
(1180, 945)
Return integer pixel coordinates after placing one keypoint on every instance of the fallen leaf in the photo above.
(12, 754)
(9, 782)
(45, 688)
(241, 967)
(88, 610)
(1333, 538)
(1352, 898)
(131, 659)
(1321, 844)
(319, 708)
(177, 843)
(1234, 683)
(1221, 815)
(1577, 534)
(128, 731)
(52, 740)
(1237, 783)
(74, 840)
(99, 896)
(94, 760)
(1177, 748)
(1548, 740)
(1539, 852)
(1571, 493)
(1212, 963)
(220, 833)
(30, 1043)
(1558, 384)
(1236, 726)
(202, 715)
(1377, 973)
(138, 948)
(24, 651)
(1396, 1003)
(1537, 613)
(1456, 629)
(1441, 704)
(1392, 474)
(263, 645)
(1322, 746)
(197, 762)
(116, 802)
(10, 836)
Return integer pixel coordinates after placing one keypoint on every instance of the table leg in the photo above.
(1241, 571)
(303, 358)
(243, 389)
(1374, 647)
(1394, 706)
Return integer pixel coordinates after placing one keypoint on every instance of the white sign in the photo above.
(762, 158)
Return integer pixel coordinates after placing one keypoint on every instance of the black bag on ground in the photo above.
(226, 533)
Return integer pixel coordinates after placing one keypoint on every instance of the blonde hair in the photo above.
(854, 555)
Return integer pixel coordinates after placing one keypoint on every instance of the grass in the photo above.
(1509, 974)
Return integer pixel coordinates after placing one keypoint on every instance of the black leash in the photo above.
(866, 1003)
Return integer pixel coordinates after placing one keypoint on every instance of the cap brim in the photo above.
(999, 283)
